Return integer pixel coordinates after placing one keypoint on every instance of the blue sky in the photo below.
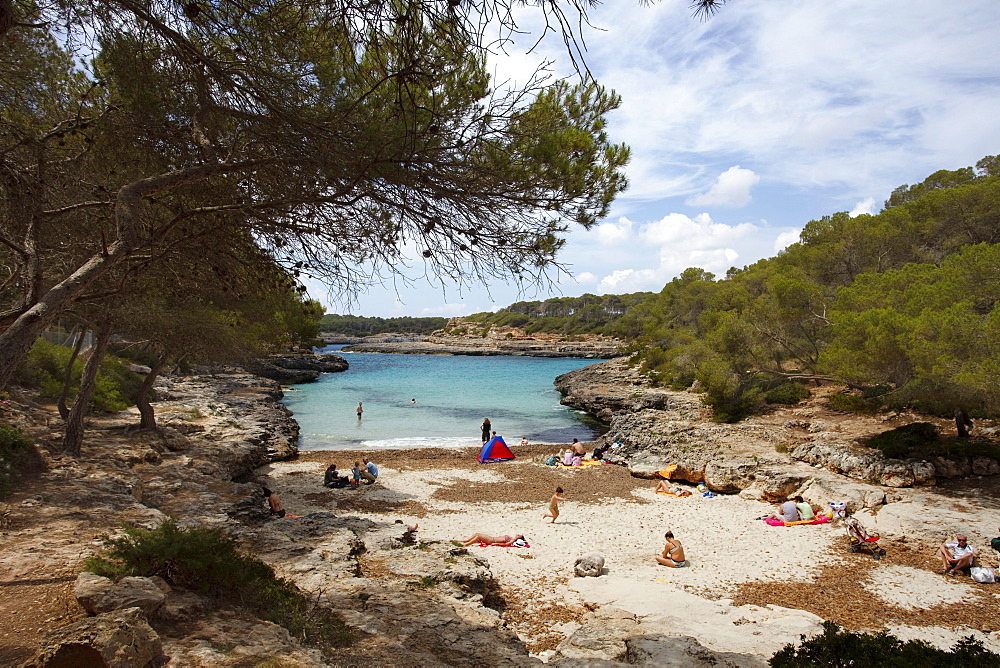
(745, 127)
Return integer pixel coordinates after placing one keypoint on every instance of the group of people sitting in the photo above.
(794, 509)
(367, 473)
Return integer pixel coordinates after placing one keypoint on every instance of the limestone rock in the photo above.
(665, 651)
(119, 639)
(601, 637)
(589, 565)
(97, 594)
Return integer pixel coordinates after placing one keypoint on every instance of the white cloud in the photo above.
(867, 205)
(732, 189)
(614, 233)
(786, 239)
(586, 278)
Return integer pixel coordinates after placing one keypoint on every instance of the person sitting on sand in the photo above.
(578, 449)
(806, 511)
(333, 479)
(664, 487)
(673, 553)
(787, 512)
(554, 505)
(499, 541)
(524, 441)
(369, 472)
(274, 503)
(956, 555)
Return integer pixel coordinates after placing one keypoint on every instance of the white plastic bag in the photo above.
(984, 575)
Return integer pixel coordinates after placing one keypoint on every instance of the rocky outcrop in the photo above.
(120, 638)
(296, 369)
(658, 427)
(463, 338)
(98, 594)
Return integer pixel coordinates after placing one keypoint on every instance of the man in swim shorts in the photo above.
(673, 553)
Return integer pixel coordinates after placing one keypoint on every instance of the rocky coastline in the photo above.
(805, 449)
(496, 341)
(225, 435)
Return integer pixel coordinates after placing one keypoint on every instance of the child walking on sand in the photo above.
(554, 505)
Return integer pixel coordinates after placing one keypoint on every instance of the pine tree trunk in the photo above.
(68, 375)
(147, 418)
(73, 439)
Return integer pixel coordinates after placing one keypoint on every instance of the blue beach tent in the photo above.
(494, 450)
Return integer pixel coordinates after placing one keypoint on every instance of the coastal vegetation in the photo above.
(836, 647)
(357, 325)
(209, 562)
(900, 306)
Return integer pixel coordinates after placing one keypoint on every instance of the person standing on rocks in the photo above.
(486, 427)
(360, 410)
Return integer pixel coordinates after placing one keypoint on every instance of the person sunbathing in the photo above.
(665, 487)
(499, 541)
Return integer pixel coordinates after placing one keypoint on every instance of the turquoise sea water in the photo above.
(453, 394)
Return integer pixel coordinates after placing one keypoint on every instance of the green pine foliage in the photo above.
(836, 648)
(210, 563)
(354, 325)
(787, 393)
(17, 455)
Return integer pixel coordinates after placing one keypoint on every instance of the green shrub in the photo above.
(921, 439)
(210, 563)
(115, 389)
(835, 647)
(902, 441)
(787, 393)
(851, 403)
(17, 455)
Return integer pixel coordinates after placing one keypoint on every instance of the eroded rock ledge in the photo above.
(805, 449)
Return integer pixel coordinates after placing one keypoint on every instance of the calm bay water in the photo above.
(453, 394)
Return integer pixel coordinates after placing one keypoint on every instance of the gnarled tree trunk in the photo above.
(147, 419)
(73, 439)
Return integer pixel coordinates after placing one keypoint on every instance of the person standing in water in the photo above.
(360, 410)
(486, 427)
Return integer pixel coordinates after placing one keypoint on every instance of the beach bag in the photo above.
(552, 460)
(984, 575)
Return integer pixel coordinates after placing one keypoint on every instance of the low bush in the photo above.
(17, 455)
(852, 403)
(787, 393)
(209, 562)
(902, 441)
(835, 647)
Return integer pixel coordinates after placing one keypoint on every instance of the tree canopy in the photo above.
(343, 139)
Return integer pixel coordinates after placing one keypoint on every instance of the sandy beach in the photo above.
(750, 588)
